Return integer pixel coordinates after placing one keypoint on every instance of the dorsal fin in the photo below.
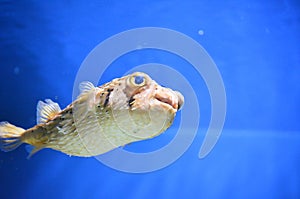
(85, 87)
(46, 111)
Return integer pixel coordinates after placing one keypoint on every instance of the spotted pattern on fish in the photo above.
(125, 110)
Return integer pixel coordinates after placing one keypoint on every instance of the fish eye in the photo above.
(138, 80)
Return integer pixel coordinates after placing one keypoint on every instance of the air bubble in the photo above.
(201, 32)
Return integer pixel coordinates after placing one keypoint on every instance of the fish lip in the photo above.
(167, 100)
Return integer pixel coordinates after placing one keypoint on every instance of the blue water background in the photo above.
(256, 46)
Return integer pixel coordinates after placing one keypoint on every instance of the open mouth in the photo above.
(167, 100)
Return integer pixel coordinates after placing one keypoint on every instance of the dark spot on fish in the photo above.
(130, 101)
(107, 97)
(69, 111)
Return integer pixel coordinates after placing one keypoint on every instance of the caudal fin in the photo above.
(10, 136)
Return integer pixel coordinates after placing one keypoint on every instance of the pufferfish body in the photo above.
(128, 109)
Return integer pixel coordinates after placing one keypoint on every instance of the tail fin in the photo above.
(10, 136)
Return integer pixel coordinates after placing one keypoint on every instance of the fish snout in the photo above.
(180, 100)
(169, 97)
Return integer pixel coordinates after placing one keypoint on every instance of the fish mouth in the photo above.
(172, 99)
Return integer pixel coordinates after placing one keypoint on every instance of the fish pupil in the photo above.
(138, 80)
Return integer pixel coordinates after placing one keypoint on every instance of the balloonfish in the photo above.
(127, 109)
